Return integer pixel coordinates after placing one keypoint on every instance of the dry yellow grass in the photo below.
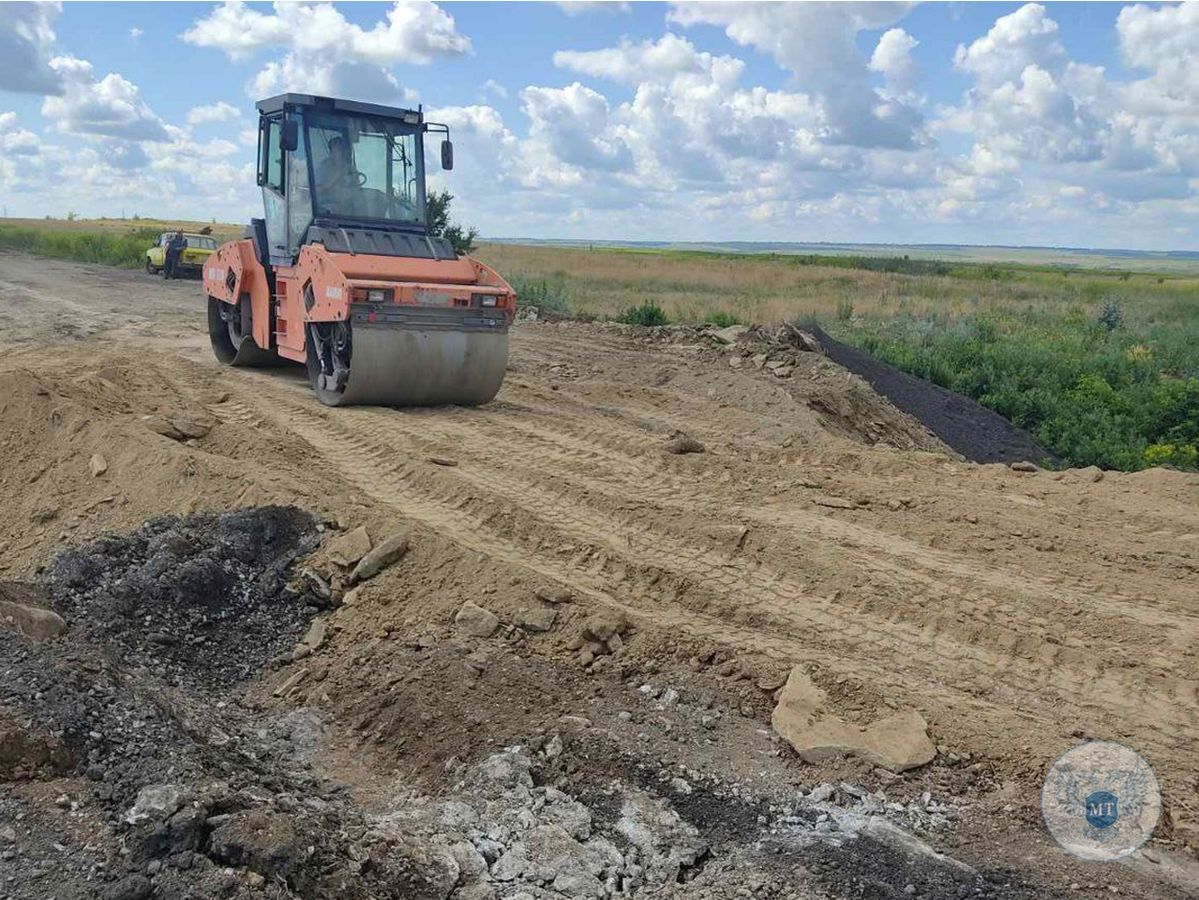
(691, 286)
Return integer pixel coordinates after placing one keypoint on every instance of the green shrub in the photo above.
(722, 319)
(1111, 316)
(647, 314)
(1180, 456)
(547, 296)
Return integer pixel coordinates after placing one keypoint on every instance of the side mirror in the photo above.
(447, 155)
(289, 138)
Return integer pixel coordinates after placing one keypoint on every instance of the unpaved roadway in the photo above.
(1019, 613)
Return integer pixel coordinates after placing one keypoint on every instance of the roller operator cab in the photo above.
(341, 274)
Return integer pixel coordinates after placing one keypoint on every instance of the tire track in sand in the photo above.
(364, 450)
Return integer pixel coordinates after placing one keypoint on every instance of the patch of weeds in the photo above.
(647, 314)
(546, 295)
(722, 319)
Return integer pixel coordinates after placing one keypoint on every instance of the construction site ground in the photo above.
(564, 686)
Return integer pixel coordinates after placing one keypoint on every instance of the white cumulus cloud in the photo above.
(111, 107)
(892, 58)
(817, 43)
(27, 46)
(212, 112)
(325, 52)
(14, 140)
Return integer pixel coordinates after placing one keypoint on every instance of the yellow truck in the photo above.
(199, 248)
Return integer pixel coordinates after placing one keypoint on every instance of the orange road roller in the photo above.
(342, 276)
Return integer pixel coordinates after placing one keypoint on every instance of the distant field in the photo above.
(764, 288)
(113, 242)
(1101, 367)
(1175, 262)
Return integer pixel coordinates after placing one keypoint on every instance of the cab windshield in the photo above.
(365, 167)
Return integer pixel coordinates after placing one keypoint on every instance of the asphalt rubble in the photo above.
(130, 767)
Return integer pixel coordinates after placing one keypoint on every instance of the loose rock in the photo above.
(541, 619)
(134, 887)
(602, 628)
(32, 621)
(347, 549)
(730, 334)
(163, 426)
(897, 742)
(155, 803)
(380, 558)
(475, 621)
(191, 428)
(315, 637)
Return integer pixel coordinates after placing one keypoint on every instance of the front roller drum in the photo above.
(408, 358)
(230, 332)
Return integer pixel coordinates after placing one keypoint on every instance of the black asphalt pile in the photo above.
(199, 600)
(161, 623)
(978, 433)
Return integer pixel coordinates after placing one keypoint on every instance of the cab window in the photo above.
(271, 163)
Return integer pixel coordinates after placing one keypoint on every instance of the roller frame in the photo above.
(432, 343)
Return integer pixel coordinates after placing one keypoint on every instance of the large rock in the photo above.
(729, 335)
(897, 742)
(31, 621)
(155, 803)
(269, 843)
(668, 845)
(380, 558)
(162, 425)
(21, 610)
(475, 621)
(346, 549)
(191, 428)
(539, 619)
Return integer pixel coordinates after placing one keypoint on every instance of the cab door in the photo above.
(271, 170)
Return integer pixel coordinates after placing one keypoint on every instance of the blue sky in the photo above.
(1073, 124)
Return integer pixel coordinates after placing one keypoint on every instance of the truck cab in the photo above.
(345, 174)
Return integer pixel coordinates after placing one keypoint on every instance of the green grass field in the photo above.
(1100, 365)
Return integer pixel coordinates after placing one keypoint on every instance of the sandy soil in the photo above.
(1019, 613)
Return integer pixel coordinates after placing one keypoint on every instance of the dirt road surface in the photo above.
(1019, 613)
